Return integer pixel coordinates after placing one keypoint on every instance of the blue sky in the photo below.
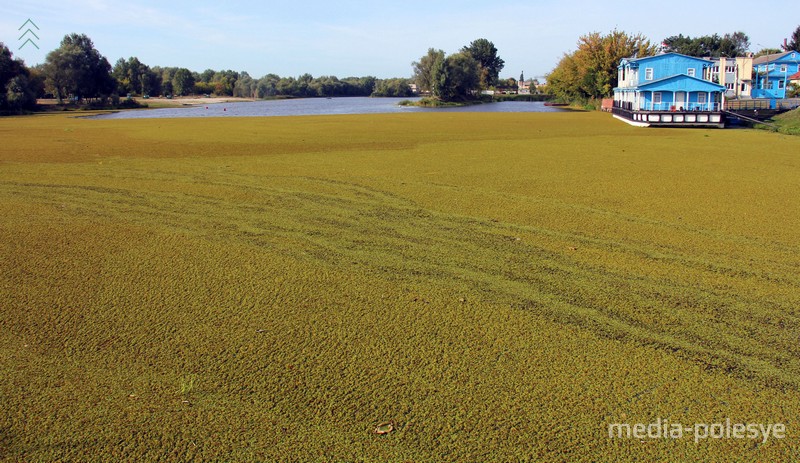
(359, 38)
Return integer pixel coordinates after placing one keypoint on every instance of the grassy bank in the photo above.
(788, 123)
(499, 287)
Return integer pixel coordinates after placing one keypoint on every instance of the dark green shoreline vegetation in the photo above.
(79, 77)
(429, 102)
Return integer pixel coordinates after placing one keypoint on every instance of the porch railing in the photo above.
(699, 107)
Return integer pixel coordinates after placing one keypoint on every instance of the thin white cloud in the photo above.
(359, 37)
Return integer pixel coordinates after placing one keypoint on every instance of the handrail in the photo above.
(750, 119)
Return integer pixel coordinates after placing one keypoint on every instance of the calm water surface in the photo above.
(320, 106)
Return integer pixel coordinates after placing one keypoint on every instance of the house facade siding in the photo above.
(772, 73)
(668, 90)
(735, 74)
(667, 82)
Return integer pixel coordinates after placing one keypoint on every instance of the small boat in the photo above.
(550, 103)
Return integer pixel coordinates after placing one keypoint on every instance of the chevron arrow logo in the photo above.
(29, 31)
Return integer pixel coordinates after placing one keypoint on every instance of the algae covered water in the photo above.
(320, 106)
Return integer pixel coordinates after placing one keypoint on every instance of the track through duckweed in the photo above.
(498, 287)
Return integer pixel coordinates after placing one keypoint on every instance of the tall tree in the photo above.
(245, 87)
(591, 70)
(77, 69)
(794, 42)
(448, 78)
(424, 69)
(183, 82)
(485, 53)
(17, 88)
(439, 77)
(133, 76)
(463, 75)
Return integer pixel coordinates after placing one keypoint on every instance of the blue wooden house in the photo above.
(772, 74)
(669, 89)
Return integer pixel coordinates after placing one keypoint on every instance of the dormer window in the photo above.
(648, 74)
(690, 72)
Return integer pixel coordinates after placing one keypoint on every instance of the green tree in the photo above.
(268, 85)
(424, 69)
(245, 87)
(326, 86)
(767, 51)
(729, 45)
(448, 78)
(19, 93)
(133, 76)
(286, 86)
(438, 78)
(224, 82)
(485, 53)
(18, 89)
(207, 76)
(793, 91)
(359, 86)
(182, 81)
(9, 68)
(303, 86)
(463, 76)
(77, 69)
(794, 42)
(590, 72)
(392, 88)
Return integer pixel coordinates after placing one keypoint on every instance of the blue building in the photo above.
(669, 89)
(772, 74)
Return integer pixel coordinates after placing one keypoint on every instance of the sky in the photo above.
(360, 38)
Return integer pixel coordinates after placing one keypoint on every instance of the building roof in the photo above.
(644, 58)
(773, 57)
(679, 83)
(795, 76)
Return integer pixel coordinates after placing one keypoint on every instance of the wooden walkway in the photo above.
(760, 109)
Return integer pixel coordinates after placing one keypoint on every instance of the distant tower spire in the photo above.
(522, 76)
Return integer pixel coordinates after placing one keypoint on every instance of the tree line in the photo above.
(76, 71)
(590, 72)
(136, 78)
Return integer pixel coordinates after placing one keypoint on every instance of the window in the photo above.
(744, 87)
(648, 74)
(781, 84)
(730, 86)
(690, 72)
(701, 98)
(656, 97)
(730, 69)
(784, 68)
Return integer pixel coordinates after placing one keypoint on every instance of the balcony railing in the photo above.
(694, 107)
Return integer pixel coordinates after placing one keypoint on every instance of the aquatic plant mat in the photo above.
(412, 287)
